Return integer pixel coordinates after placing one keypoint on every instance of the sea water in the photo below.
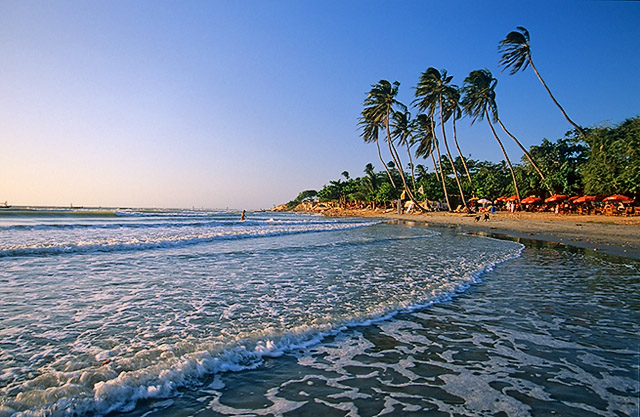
(193, 312)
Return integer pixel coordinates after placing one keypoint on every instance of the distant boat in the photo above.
(5, 205)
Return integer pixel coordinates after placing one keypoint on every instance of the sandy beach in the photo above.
(614, 235)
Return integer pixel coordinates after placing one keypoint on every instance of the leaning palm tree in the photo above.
(516, 55)
(428, 142)
(401, 130)
(479, 101)
(379, 106)
(520, 57)
(432, 91)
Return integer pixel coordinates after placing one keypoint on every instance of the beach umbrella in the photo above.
(574, 198)
(513, 198)
(531, 200)
(484, 201)
(585, 199)
(502, 198)
(618, 198)
(556, 198)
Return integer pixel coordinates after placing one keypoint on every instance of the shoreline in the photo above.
(613, 235)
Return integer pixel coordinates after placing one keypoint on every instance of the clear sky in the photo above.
(244, 103)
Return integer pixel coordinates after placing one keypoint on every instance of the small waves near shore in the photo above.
(151, 312)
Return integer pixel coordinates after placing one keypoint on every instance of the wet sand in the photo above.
(614, 235)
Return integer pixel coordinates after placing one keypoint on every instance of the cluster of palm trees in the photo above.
(440, 102)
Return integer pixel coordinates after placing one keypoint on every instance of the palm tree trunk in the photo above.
(504, 152)
(413, 175)
(544, 180)
(564, 113)
(453, 168)
(444, 186)
(455, 140)
(396, 158)
(384, 165)
(435, 167)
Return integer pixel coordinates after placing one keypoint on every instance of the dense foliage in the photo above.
(605, 162)
(613, 159)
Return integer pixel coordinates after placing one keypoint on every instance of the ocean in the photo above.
(131, 312)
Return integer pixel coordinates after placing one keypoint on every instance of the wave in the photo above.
(171, 222)
(103, 212)
(117, 384)
(138, 242)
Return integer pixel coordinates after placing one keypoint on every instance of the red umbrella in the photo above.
(513, 198)
(574, 198)
(502, 198)
(556, 197)
(618, 198)
(585, 199)
(531, 200)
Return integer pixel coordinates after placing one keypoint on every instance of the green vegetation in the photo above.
(600, 160)
(613, 159)
(606, 162)
(307, 195)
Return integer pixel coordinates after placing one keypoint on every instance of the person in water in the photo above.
(242, 215)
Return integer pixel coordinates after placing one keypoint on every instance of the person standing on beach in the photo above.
(242, 215)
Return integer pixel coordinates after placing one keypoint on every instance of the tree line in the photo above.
(598, 160)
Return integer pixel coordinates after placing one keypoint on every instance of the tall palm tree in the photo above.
(370, 133)
(516, 55)
(402, 131)
(479, 101)
(428, 142)
(379, 106)
(432, 91)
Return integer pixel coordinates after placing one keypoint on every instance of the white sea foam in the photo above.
(78, 243)
(121, 326)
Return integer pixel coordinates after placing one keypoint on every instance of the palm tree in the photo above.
(379, 106)
(516, 55)
(425, 128)
(370, 130)
(402, 131)
(432, 91)
(479, 99)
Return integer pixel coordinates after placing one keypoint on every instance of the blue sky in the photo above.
(243, 104)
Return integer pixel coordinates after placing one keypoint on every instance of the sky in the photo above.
(242, 104)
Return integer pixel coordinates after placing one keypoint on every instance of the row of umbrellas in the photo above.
(557, 198)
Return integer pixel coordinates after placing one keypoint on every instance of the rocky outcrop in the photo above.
(306, 207)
